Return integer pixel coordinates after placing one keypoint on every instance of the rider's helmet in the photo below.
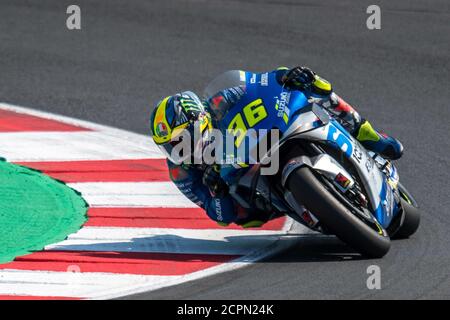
(174, 117)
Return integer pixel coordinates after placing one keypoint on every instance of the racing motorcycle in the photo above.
(326, 180)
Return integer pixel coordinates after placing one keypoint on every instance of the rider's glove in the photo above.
(304, 78)
(212, 179)
(301, 77)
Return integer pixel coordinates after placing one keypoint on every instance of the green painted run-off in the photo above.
(35, 211)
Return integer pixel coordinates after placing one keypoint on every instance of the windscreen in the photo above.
(229, 79)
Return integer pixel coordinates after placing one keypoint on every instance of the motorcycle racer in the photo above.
(204, 185)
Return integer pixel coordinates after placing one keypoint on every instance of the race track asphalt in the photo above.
(129, 54)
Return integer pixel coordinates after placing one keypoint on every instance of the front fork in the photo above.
(391, 173)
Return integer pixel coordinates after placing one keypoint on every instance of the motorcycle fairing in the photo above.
(380, 191)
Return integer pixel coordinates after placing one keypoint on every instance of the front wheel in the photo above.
(311, 192)
(411, 219)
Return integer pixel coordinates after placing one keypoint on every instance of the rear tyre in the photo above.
(311, 192)
(411, 220)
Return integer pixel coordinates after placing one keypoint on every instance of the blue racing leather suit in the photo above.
(188, 179)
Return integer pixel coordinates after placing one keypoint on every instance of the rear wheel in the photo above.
(314, 194)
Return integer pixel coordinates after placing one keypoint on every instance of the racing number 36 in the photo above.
(254, 113)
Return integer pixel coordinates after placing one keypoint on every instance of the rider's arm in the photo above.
(189, 181)
(304, 79)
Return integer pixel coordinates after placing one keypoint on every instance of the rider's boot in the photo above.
(384, 145)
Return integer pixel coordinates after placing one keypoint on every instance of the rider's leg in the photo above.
(388, 147)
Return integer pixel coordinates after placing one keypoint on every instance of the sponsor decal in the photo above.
(369, 164)
(389, 202)
(342, 180)
(161, 130)
(219, 209)
(308, 219)
(282, 104)
(265, 79)
(357, 154)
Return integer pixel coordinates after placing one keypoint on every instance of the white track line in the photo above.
(132, 194)
(205, 241)
(70, 284)
(296, 231)
(67, 146)
(107, 286)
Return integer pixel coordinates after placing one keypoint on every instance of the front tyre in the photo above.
(411, 220)
(337, 218)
